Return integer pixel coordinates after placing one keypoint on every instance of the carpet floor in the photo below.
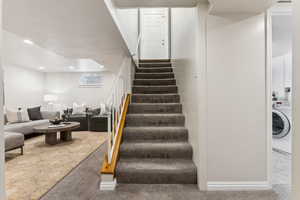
(83, 184)
(30, 176)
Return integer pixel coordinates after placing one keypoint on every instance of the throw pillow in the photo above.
(35, 113)
(17, 116)
(103, 109)
(78, 109)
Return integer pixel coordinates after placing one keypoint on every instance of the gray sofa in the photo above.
(14, 133)
(27, 127)
(13, 141)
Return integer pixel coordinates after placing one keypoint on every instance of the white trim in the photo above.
(237, 186)
(268, 88)
(203, 10)
(108, 185)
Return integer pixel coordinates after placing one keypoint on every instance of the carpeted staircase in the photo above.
(155, 148)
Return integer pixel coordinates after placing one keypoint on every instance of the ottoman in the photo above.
(13, 141)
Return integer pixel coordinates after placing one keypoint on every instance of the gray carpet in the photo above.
(83, 184)
(155, 148)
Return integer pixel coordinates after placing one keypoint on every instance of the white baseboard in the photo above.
(238, 186)
(108, 185)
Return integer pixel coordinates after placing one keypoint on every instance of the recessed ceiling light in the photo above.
(101, 66)
(71, 67)
(28, 42)
(41, 68)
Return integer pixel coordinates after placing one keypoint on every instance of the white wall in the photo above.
(184, 58)
(2, 162)
(188, 57)
(128, 21)
(66, 87)
(225, 99)
(23, 87)
(296, 103)
(281, 73)
(237, 136)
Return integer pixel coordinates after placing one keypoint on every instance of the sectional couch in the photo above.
(14, 133)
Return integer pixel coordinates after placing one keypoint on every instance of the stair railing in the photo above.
(117, 103)
(136, 55)
(116, 106)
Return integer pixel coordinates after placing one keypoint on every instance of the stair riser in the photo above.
(155, 121)
(155, 82)
(166, 153)
(153, 65)
(189, 177)
(155, 99)
(154, 76)
(154, 60)
(151, 134)
(154, 90)
(155, 108)
(154, 70)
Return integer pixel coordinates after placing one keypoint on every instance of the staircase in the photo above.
(155, 148)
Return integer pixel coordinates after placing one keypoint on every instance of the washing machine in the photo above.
(282, 125)
(281, 115)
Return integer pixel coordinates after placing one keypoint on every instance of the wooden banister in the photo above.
(111, 168)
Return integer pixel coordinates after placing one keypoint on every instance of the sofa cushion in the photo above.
(16, 116)
(25, 127)
(35, 113)
(13, 140)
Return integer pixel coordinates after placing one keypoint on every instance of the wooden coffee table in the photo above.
(51, 133)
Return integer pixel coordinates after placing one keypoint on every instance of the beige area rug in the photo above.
(29, 176)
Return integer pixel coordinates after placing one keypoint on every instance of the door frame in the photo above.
(169, 32)
(276, 10)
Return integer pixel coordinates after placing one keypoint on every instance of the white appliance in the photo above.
(282, 125)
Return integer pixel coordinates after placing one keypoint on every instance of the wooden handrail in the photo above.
(111, 168)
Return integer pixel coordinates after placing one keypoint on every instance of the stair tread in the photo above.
(155, 73)
(155, 164)
(155, 142)
(157, 128)
(155, 114)
(156, 148)
(151, 133)
(163, 79)
(154, 62)
(154, 86)
(166, 94)
(157, 104)
(154, 68)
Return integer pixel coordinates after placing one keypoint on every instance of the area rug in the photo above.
(29, 176)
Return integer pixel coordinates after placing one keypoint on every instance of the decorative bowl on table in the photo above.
(56, 121)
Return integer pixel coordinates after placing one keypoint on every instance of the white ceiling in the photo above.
(35, 57)
(157, 3)
(240, 6)
(72, 29)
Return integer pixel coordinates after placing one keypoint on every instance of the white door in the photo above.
(154, 27)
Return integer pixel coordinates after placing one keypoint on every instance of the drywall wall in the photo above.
(184, 60)
(23, 87)
(2, 176)
(281, 74)
(66, 87)
(296, 103)
(236, 100)
(282, 31)
(128, 21)
(188, 37)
